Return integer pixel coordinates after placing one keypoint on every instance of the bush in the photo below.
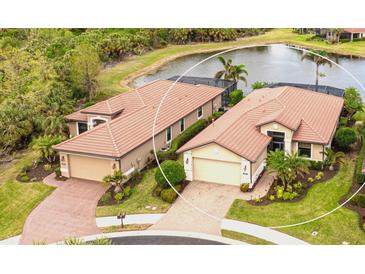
(47, 167)
(24, 178)
(168, 195)
(74, 241)
(215, 116)
(57, 170)
(127, 191)
(293, 195)
(119, 197)
(359, 200)
(286, 195)
(298, 186)
(244, 187)
(316, 165)
(272, 198)
(259, 84)
(174, 172)
(106, 197)
(258, 200)
(359, 176)
(157, 191)
(235, 97)
(345, 136)
(279, 192)
(182, 139)
(310, 180)
(343, 121)
(101, 241)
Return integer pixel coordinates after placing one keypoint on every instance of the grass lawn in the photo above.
(9, 173)
(342, 225)
(115, 80)
(140, 198)
(244, 238)
(131, 227)
(16, 202)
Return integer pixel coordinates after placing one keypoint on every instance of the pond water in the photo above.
(275, 63)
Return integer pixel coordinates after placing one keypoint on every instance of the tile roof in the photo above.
(119, 136)
(355, 30)
(312, 116)
(77, 116)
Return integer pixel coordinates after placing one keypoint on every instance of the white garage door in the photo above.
(216, 171)
(89, 168)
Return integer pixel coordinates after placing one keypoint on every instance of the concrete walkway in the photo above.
(261, 232)
(68, 211)
(11, 241)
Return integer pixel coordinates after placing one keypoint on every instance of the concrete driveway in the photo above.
(215, 199)
(68, 211)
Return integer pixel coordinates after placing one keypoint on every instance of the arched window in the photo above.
(97, 121)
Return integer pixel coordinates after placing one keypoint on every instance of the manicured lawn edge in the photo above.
(341, 226)
(17, 200)
(244, 238)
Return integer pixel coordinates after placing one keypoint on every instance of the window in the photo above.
(200, 112)
(98, 121)
(168, 135)
(182, 124)
(277, 141)
(81, 127)
(304, 150)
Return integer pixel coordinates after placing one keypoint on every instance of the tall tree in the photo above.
(231, 72)
(353, 101)
(316, 56)
(85, 66)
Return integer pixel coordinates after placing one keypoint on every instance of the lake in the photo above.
(275, 63)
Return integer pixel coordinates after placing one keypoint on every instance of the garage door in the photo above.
(216, 171)
(89, 168)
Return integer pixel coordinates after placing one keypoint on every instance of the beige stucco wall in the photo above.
(260, 159)
(215, 152)
(72, 127)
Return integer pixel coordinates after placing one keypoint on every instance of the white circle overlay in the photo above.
(216, 55)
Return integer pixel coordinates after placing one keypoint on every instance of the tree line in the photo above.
(46, 73)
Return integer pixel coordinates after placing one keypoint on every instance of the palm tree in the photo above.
(276, 162)
(316, 56)
(297, 165)
(231, 72)
(44, 145)
(333, 158)
(115, 180)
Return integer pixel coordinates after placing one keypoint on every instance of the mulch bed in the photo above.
(37, 173)
(328, 174)
(361, 211)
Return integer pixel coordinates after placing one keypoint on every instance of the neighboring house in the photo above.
(346, 33)
(233, 149)
(353, 33)
(116, 134)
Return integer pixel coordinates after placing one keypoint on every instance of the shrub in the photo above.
(359, 200)
(279, 192)
(259, 84)
(157, 191)
(174, 172)
(244, 187)
(304, 185)
(180, 140)
(310, 180)
(101, 241)
(168, 195)
(289, 188)
(272, 198)
(258, 200)
(57, 170)
(298, 186)
(74, 241)
(316, 165)
(127, 191)
(235, 97)
(345, 136)
(343, 121)
(119, 197)
(286, 195)
(359, 176)
(47, 167)
(215, 116)
(106, 197)
(24, 178)
(293, 195)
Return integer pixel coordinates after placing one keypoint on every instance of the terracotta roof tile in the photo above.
(122, 134)
(77, 116)
(313, 116)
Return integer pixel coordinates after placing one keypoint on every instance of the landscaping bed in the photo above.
(36, 172)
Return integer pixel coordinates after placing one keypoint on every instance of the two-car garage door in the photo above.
(222, 172)
(89, 168)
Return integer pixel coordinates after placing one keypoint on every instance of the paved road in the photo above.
(68, 211)
(162, 240)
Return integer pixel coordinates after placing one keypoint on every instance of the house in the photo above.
(116, 134)
(337, 34)
(233, 149)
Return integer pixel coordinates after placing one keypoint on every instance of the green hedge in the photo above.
(182, 139)
(359, 176)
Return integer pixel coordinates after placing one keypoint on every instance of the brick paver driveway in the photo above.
(68, 211)
(215, 199)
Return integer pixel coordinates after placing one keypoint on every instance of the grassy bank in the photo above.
(342, 225)
(116, 79)
(244, 238)
(17, 200)
(140, 198)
